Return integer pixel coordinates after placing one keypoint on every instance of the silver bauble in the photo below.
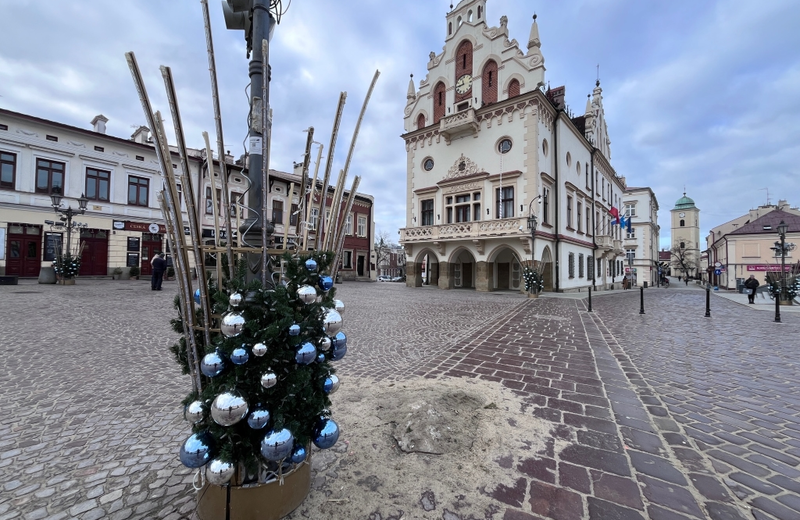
(339, 306)
(219, 472)
(269, 379)
(307, 293)
(277, 444)
(332, 322)
(235, 299)
(258, 419)
(195, 412)
(331, 384)
(259, 349)
(228, 409)
(306, 353)
(212, 364)
(232, 324)
(325, 343)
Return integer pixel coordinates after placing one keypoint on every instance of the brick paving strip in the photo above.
(606, 458)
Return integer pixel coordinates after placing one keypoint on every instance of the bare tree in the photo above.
(684, 259)
(383, 248)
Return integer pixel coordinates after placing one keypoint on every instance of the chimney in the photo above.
(141, 135)
(99, 123)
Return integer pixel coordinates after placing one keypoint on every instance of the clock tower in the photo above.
(686, 234)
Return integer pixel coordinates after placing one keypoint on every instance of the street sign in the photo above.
(717, 272)
(717, 265)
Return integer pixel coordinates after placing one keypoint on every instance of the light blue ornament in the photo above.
(325, 283)
(197, 296)
(311, 265)
(197, 450)
(258, 419)
(277, 444)
(212, 364)
(239, 356)
(321, 357)
(338, 353)
(306, 354)
(294, 330)
(326, 433)
(331, 384)
(339, 341)
(299, 454)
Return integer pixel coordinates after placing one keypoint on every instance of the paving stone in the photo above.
(555, 502)
(777, 510)
(717, 511)
(656, 467)
(618, 490)
(670, 495)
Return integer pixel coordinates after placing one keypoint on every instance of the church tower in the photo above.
(686, 234)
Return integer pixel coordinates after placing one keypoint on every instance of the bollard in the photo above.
(590, 298)
(641, 299)
(708, 301)
(777, 309)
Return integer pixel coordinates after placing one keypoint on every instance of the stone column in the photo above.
(483, 276)
(445, 281)
(413, 275)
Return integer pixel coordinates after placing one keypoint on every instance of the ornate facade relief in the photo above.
(462, 167)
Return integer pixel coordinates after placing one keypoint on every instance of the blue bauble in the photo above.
(306, 354)
(331, 384)
(339, 341)
(325, 283)
(321, 357)
(338, 353)
(294, 330)
(258, 418)
(311, 265)
(299, 454)
(197, 450)
(326, 433)
(277, 444)
(239, 356)
(197, 296)
(212, 364)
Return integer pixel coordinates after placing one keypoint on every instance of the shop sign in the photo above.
(768, 267)
(144, 228)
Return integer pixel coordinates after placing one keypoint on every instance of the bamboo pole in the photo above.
(215, 207)
(311, 202)
(340, 242)
(301, 201)
(328, 166)
(335, 217)
(266, 142)
(287, 213)
(223, 167)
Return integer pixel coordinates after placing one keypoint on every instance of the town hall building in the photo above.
(489, 148)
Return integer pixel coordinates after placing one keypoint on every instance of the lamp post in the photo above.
(68, 213)
(532, 223)
(782, 228)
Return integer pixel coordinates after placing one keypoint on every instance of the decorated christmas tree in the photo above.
(267, 374)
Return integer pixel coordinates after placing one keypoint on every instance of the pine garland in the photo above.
(792, 287)
(534, 281)
(67, 265)
(298, 401)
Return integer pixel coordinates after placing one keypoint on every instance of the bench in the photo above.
(9, 280)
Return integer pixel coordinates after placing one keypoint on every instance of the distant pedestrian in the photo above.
(159, 266)
(750, 286)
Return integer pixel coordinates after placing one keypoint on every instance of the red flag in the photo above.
(614, 213)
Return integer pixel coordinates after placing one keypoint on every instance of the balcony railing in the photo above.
(477, 229)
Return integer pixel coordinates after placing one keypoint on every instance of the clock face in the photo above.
(681, 214)
(464, 84)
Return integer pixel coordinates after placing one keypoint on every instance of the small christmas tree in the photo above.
(534, 281)
(267, 374)
(67, 265)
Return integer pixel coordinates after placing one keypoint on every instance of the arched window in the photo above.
(513, 88)
(438, 102)
(683, 245)
(450, 28)
(479, 12)
(464, 70)
(683, 223)
(420, 121)
(489, 83)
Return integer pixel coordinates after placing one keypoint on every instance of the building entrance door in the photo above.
(360, 265)
(503, 275)
(151, 245)
(24, 250)
(94, 259)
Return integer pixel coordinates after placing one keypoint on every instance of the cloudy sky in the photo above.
(704, 95)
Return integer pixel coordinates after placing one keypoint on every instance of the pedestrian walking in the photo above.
(750, 287)
(159, 266)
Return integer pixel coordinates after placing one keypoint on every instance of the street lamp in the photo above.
(532, 223)
(68, 213)
(782, 228)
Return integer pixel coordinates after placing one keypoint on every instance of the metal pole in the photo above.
(708, 301)
(777, 308)
(641, 299)
(590, 298)
(784, 295)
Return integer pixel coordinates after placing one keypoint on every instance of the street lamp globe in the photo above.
(55, 196)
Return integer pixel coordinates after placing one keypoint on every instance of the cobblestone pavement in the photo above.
(653, 416)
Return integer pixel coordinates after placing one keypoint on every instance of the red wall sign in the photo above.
(768, 267)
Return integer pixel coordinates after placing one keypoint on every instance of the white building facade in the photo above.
(488, 147)
(641, 242)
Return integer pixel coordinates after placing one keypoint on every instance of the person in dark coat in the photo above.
(751, 284)
(159, 266)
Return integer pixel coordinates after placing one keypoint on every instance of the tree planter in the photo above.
(270, 501)
(533, 295)
(785, 302)
(68, 281)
